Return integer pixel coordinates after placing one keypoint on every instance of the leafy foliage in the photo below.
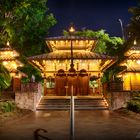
(113, 46)
(7, 106)
(24, 23)
(5, 78)
(134, 105)
(134, 26)
(106, 44)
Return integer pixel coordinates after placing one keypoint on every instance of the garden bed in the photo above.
(8, 114)
(128, 113)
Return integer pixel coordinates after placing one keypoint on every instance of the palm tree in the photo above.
(5, 78)
(134, 26)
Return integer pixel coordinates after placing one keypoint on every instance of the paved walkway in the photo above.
(89, 125)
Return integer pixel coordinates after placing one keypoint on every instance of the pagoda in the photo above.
(131, 75)
(71, 61)
(8, 57)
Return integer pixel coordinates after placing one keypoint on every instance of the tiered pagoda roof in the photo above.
(60, 55)
(64, 43)
(132, 60)
(8, 59)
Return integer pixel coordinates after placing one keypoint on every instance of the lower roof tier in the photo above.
(58, 55)
(131, 64)
(52, 62)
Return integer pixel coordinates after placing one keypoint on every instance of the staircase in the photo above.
(97, 103)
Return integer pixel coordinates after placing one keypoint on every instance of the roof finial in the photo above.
(71, 28)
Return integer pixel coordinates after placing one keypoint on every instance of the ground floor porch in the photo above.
(79, 83)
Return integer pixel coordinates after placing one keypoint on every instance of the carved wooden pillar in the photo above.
(16, 83)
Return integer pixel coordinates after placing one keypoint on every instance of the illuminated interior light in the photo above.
(5, 63)
(76, 41)
(91, 42)
(71, 29)
(8, 44)
(138, 61)
(87, 41)
(135, 42)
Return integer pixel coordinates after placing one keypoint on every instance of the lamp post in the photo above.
(71, 31)
(122, 28)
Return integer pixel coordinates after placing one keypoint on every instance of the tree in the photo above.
(25, 23)
(112, 46)
(5, 79)
(106, 44)
(134, 26)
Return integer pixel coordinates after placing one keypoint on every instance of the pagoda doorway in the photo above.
(63, 81)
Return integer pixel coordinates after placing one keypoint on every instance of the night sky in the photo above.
(90, 14)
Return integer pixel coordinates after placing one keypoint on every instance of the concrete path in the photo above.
(89, 125)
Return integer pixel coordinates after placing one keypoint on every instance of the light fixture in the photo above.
(5, 63)
(138, 61)
(135, 42)
(71, 29)
(8, 44)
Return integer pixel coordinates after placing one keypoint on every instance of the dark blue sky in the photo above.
(90, 14)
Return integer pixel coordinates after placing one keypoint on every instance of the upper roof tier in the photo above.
(133, 52)
(8, 58)
(65, 42)
(8, 54)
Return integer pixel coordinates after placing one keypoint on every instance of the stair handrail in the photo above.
(37, 135)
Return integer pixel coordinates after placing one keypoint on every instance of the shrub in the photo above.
(7, 106)
(134, 106)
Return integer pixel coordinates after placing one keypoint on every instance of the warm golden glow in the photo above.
(52, 66)
(132, 65)
(71, 29)
(138, 61)
(131, 81)
(4, 63)
(135, 42)
(105, 64)
(65, 45)
(8, 59)
(130, 52)
(12, 65)
(60, 55)
(8, 44)
(8, 54)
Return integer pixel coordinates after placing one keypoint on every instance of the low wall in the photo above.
(29, 96)
(117, 99)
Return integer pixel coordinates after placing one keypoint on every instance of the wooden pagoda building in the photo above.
(131, 75)
(8, 57)
(71, 61)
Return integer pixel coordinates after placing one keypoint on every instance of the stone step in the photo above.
(59, 100)
(68, 103)
(68, 100)
(64, 104)
(68, 108)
